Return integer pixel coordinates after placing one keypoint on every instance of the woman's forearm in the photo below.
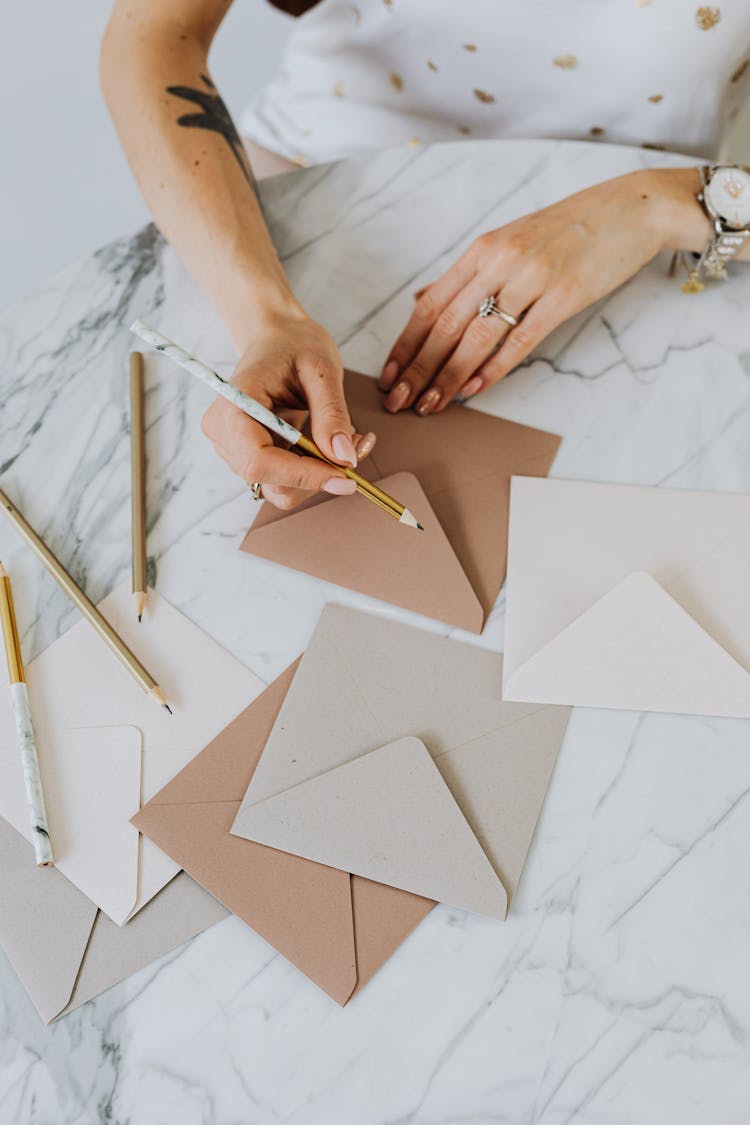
(187, 157)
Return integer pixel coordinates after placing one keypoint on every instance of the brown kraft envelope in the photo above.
(337, 928)
(453, 472)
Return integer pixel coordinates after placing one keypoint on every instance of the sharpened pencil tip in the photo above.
(168, 708)
(140, 618)
(419, 527)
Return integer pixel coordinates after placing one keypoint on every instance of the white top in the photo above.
(658, 73)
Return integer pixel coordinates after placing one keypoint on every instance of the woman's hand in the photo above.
(542, 269)
(291, 366)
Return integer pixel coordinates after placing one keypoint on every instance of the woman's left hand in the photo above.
(541, 269)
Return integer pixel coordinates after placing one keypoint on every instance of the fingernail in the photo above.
(366, 444)
(389, 373)
(428, 402)
(473, 386)
(340, 486)
(343, 449)
(398, 396)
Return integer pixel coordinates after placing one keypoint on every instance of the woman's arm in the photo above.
(544, 268)
(193, 171)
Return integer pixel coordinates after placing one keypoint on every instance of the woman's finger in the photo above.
(541, 319)
(426, 311)
(480, 340)
(249, 450)
(323, 385)
(442, 340)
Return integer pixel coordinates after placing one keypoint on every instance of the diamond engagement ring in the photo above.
(256, 489)
(489, 307)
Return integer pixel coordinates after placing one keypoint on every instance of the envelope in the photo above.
(394, 758)
(628, 597)
(104, 746)
(335, 928)
(64, 950)
(453, 472)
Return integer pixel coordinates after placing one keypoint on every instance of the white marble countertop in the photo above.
(618, 991)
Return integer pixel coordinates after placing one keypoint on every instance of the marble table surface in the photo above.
(618, 990)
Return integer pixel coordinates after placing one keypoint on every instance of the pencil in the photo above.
(268, 419)
(138, 482)
(112, 640)
(29, 760)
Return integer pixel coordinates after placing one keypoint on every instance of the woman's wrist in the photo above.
(680, 220)
(255, 301)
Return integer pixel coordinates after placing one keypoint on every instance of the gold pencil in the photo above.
(26, 742)
(138, 482)
(112, 640)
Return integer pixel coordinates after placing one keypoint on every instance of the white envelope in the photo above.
(628, 597)
(105, 748)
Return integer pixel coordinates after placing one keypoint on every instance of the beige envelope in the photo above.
(104, 747)
(447, 812)
(453, 472)
(64, 950)
(628, 597)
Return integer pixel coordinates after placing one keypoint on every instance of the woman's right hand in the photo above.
(291, 366)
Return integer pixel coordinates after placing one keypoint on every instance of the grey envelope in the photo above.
(394, 758)
(64, 949)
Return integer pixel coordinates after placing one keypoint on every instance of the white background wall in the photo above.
(64, 185)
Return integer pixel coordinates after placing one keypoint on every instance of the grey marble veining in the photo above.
(617, 993)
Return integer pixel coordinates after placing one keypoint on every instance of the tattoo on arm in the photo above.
(214, 116)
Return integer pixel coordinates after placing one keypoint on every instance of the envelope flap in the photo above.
(45, 924)
(637, 649)
(353, 543)
(387, 816)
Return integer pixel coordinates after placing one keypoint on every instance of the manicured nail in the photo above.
(365, 445)
(343, 449)
(398, 396)
(473, 386)
(428, 402)
(340, 486)
(389, 373)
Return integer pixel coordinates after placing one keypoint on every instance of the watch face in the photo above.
(728, 194)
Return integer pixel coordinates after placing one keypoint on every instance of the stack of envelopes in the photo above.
(380, 774)
(114, 902)
(453, 472)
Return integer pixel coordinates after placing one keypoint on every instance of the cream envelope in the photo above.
(628, 597)
(393, 758)
(64, 950)
(453, 472)
(104, 747)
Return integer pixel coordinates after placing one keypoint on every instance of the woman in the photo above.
(656, 73)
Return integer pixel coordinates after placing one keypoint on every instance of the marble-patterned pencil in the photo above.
(26, 742)
(267, 418)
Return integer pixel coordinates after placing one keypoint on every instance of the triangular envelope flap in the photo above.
(635, 649)
(387, 816)
(354, 544)
(45, 924)
(365, 681)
